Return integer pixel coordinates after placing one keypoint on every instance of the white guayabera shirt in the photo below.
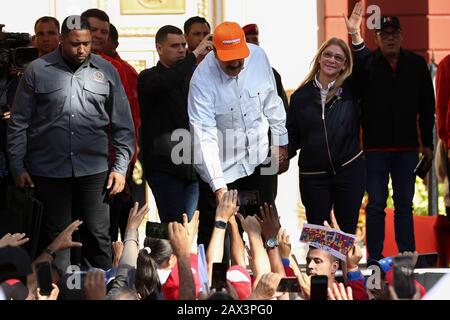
(230, 118)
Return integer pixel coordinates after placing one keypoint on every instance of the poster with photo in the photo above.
(336, 242)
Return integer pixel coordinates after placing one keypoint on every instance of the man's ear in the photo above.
(334, 267)
(159, 48)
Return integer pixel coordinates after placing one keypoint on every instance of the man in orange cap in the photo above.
(232, 103)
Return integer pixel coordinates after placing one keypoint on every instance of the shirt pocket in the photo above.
(95, 95)
(257, 97)
(50, 98)
(226, 114)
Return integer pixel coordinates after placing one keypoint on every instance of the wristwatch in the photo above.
(50, 252)
(271, 243)
(220, 224)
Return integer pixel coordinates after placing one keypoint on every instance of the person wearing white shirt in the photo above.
(232, 103)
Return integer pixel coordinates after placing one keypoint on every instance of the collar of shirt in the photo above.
(323, 92)
(378, 55)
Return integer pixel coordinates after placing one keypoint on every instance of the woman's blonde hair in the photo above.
(344, 74)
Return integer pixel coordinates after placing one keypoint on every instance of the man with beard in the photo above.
(233, 102)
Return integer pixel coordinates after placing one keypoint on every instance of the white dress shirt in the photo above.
(230, 118)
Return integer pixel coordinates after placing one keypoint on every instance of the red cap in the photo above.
(250, 29)
(240, 279)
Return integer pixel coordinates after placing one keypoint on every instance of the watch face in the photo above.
(271, 243)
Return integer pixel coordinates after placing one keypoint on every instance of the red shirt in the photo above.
(131, 95)
(171, 287)
(443, 100)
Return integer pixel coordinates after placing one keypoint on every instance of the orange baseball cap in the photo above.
(229, 41)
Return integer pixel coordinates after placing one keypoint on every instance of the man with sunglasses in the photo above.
(396, 90)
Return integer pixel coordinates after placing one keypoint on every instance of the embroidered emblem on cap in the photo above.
(99, 76)
(232, 41)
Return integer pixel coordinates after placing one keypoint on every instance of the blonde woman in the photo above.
(323, 122)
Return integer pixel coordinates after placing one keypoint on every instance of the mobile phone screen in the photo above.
(403, 277)
(219, 276)
(44, 277)
(289, 285)
(157, 230)
(249, 202)
(319, 287)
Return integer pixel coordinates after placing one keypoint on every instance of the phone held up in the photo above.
(289, 284)
(404, 277)
(157, 230)
(219, 276)
(44, 278)
(319, 288)
(249, 202)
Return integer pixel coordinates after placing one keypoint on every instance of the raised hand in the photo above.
(204, 47)
(136, 216)
(354, 22)
(117, 247)
(270, 225)
(305, 283)
(64, 240)
(334, 224)
(191, 226)
(284, 244)
(52, 296)
(267, 287)
(249, 224)
(13, 240)
(227, 206)
(339, 292)
(179, 239)
(94, 285)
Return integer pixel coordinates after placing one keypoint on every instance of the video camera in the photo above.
(14, 55)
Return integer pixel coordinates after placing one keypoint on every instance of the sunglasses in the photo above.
(384, 34)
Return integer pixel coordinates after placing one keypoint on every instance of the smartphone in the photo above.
(289, 285)
(44, 278)
(249, 202)
(427, 260)
(219, 276)
(404, 277)
(157, 230)
(319, 287)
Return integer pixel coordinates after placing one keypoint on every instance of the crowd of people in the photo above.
(214, 123)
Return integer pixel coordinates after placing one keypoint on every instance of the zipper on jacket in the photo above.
(326, 138)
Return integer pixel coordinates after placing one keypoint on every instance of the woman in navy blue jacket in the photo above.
(323, 122)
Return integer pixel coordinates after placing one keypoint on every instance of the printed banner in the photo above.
(336, 242)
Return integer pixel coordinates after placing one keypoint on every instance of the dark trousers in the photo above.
(174, 196)
(400, 166)
(119, 211)
(207, 203)
(342, 192)
(68, 199)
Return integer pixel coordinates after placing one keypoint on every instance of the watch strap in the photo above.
(220, 224)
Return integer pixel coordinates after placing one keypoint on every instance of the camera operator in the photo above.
(46, 39)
